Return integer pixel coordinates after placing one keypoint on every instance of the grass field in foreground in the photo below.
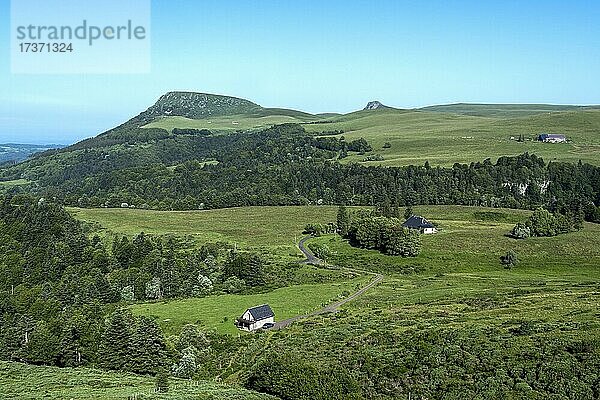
(219, 312)
(29, 382)
(457, 278)
(274, 231)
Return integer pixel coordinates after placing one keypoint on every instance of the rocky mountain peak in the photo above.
(374, 105)
(196, 106)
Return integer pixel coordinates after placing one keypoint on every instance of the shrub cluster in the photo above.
(543, 223)
(386, 234)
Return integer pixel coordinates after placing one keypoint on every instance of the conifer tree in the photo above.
(115, 344)
(162, 382)
(148, 348)
(343, 221)
(43, 345)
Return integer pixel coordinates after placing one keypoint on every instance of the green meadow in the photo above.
(52, 383)
(457, 280)
(220, 311)
(274, 229)
(445, 138)
(442, 135)
(228, 123)
(505, 110)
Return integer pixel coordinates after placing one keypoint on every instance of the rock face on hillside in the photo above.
(374, 105)
(196, 106)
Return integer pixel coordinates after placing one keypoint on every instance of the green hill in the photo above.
(442, 135)
(196, 106)
(176, 109)
(444, 138)
(504, 110)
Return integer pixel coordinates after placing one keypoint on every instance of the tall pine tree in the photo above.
(115, 345)
(343, 221)
(148, 347)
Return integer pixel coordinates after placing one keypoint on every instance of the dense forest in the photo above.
(283, 165)
(58, 286)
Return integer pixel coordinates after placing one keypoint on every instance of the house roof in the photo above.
(552, 136)
(417, 222)
(261, 312)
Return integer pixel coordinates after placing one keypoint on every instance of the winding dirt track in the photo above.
(333, 307)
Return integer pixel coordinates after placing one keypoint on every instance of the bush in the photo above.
(510, 259)
(384, 234)
(521, 231)
(127, 293)
(374, 157)
(313, 229)
(186, 367)
(359, 145)
(190, 131)
(233, 284)
(543, 223)
(290, 377)
(322, 251)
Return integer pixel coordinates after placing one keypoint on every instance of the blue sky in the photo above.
(324, 56)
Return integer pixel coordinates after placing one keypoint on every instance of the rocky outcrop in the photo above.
(196, 106)
(374, 105)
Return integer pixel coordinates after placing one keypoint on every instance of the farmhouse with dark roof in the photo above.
(255, 318)
(420, 223)
(552, 138)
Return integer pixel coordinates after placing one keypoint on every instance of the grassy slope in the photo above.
(18, 182)
(464, 134)
(219, 312)
(88, 384)
(275, 229)
(231, 123)
(272, 230)
(456, 280)
(459, 280)
(443, 138)
(503, 110)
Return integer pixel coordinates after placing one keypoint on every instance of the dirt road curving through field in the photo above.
(333, 307)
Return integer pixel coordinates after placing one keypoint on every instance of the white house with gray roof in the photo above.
(552, 138)
(420, 223)
(255, 318)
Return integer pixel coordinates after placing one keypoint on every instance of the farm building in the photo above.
(420, 223)
(552, 138)
(255, 318)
